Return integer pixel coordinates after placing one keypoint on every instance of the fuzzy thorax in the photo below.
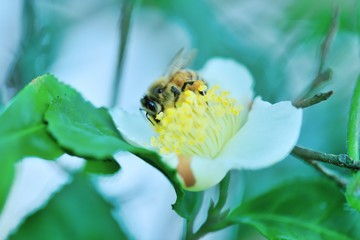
(199, 125)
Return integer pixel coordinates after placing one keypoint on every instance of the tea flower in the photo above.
(206, 136)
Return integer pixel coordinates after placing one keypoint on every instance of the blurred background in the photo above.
(79, 42)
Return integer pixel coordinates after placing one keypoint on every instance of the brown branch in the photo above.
(325, 45)
(322, 75)
(341, 160)
(341, 182)
(319, 80)
(307, 102)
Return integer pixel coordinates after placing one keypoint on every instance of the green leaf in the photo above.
(353, 192)
(7, 175)
(23, 131)
(101, 167)
(76, 212)
(90, 132)
(299, 210)
(189, 205)
(75, 126)
(83, 129)
(80, 128)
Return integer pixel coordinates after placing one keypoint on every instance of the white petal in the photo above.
(207, 173)
(135, 128)
(267, 137)
(230, 76)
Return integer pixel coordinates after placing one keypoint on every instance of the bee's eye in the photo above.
(160, 90)
(151, 106)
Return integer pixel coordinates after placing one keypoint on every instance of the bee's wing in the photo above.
(181, 59)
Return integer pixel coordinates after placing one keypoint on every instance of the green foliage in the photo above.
(23, 132)
(80, 128)
(101, 167)
(49, 118)
(76, 212)
(23, 128)
(89, 132)
(6, 179)
(299, 210)
(216, 215)
(52, 118)
(353, 192)
(317, 13)
(189, 206)
(354, 123)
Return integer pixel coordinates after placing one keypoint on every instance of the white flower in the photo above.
(206, 136)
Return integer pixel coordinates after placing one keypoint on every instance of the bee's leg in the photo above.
(195, 86)
(152, 119)
(202, 93)
(203, 82)
(185, 85)
(176, 93)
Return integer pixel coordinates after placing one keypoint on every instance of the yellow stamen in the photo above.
(199, 125)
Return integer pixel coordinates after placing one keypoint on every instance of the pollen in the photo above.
(199, 124)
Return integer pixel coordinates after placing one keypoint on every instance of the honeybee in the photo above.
(165, 91)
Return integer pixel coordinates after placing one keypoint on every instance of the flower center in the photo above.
(199, 124)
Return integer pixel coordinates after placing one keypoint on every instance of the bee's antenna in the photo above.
(142, 110)
(146, 115)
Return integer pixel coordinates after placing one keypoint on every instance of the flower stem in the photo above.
(354, 122)
(188, 231)
(124, 28)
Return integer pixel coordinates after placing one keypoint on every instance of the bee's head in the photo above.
(150, 106)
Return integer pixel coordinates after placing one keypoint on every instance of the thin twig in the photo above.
(325, 46)
(318, 80)
(341, 160)
(321, 78)
(124, 26)
(313, 100)
(304, 101)
(328, 173)
(322, 75)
